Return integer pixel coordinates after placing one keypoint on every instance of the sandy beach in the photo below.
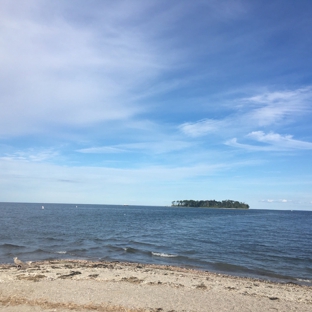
(72, 285)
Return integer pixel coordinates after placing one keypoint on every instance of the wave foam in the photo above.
(161, 254)
(304, 280)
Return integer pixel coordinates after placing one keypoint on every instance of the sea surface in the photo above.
(266, 244)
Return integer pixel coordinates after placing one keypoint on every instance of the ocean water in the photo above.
(266, 244)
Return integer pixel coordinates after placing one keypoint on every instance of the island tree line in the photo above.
(210, 203)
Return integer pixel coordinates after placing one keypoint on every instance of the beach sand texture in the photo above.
(75, 285)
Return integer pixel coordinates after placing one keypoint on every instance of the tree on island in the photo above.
(210, 203)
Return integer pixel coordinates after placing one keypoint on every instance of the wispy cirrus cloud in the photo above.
(202, 127)
(285, 141)
(58, 72)
(278, 106)
(265, 110)
(156, 147)
(31, 155)
(271, 142)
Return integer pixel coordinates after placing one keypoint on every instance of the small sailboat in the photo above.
(42, 207)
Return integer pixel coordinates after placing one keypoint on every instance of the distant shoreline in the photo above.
(175, 206)
(210, 203)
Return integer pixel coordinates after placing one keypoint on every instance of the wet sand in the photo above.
(72, 285)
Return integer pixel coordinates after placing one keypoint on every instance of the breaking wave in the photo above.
(164, 255)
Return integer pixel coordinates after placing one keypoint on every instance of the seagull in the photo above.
(20, 264)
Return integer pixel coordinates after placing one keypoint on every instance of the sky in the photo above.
(147, 102)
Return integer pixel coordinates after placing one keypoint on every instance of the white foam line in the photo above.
(161, 254)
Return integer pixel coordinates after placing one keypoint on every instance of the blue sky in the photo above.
(146, 102)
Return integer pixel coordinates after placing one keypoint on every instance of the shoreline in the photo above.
(274, 278)
(209, 207)
(84, 285)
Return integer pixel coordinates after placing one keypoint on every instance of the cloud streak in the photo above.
(272, 142)
(57, 73)
(157, 147)
(277, 107)
(202, 127)
(262, 110)
(265, 111)
(31, 155)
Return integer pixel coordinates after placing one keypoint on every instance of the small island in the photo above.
(227, 204)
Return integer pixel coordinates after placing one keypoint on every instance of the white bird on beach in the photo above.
(20, 264)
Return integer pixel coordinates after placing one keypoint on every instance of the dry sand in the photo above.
(68, 285)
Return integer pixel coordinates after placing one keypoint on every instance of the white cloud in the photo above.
(101, 150)
(266, 110)
(263, 110)
(58, 73)
(233, 142)
(275, 107)
(284, 201)
(273, 142)
(201, 128)
(284, 142)
(157, 147)
(268, 200)
(31, 155)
